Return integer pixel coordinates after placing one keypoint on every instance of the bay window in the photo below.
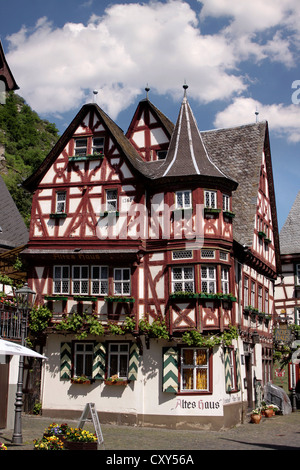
(184, 199)
(208, 279)
(210, 199)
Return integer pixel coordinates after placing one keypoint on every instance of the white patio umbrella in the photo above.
(10, 348)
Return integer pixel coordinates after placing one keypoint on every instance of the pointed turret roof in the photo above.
(187, 154)
(290, 234)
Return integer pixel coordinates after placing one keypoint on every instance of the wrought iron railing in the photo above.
(11, 322)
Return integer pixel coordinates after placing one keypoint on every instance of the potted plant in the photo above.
(80, 439)
(256, 416)
(115, 380)
(49, 443)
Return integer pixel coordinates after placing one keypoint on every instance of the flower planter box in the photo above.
(80, 382)
(120, 299)
(73, 445)
(183, 296)
(229, 214)
(55, 297)
(211, 211)
(116, 382)
(84, 297)
(58, 215)
(82, 158)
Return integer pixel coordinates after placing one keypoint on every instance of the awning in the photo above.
(9, 348)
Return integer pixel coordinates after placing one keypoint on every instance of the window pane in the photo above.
(188, 356)
(201, 357)
(113, 365)
(187, 379)
(201, 379)
(123, 365)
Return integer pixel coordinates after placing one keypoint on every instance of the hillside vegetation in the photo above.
(25, 140)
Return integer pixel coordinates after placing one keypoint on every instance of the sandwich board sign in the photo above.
(89, 414)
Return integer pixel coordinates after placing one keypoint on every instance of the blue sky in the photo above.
(237, 57)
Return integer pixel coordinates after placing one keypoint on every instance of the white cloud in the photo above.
(118, 53)
(284, 120)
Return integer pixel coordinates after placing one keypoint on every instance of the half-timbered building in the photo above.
(174, 229)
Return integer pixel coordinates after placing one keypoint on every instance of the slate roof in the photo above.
(14, 232)
(290, 233)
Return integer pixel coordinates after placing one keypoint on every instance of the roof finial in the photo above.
(95, 93)
(147, 89)
(256, 114)
(185, 87)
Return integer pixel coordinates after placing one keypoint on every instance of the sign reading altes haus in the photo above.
(201, 406)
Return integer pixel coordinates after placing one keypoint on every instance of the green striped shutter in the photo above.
(99, 361)
(170, 370)
(133, 362)
(227, 370)
(238, 370)
(65, 361)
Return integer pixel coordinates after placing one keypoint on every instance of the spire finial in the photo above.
(147, 89)
(95, 93)
(256, 114)
(185, 87)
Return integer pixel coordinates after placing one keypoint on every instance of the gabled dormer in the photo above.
(150, 131)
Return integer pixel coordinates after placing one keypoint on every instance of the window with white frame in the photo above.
(80, 147)
(210, 199)
(111, 200)
(80, 280)
(194, 369)
(61, 198)
(226, 202)
(183, 199)
(253, 292)
(182, 279)
(83, 359)
(118, 356)
(225, 280)
(297, 274)
(246, 291)
(260, 298)
(99, 280)
(122, 281)
(208, 279)
(61, 279)
(266, 301)
(98, 145)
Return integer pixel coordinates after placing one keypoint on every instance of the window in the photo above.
(80, 147)
(260, 298)
(183, 279)
(253, 303)
(61, 275)
(98, 146)
(61, 197)
(210, 199)
(118, 355)
(246, 291)
(194, 369)
(226, 202)
(122, 281)
(80, 280)
(266, 301)
(208, 279)
(182, 254)
(225, 280)
(111, 200)
(99, 280)
(183, 199)
(206, 253)
(83, 359)
(297, 274)
(223, 255)
(161, 154)
(297, 316)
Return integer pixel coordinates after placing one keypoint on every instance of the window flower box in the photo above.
(82, 158)
(206, 295)
(211, 211)
(85, 297)
(119, 298)
(81, 380)
(55, 297)
(229, 214)
(183, 295)
(262, 234)
(58, 215)
(115, 380)
(110, 213)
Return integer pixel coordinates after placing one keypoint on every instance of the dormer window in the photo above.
(80, 148)
(98, 146)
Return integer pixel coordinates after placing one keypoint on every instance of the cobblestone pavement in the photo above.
(276, 433)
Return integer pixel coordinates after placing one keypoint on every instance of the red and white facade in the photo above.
(143, 225)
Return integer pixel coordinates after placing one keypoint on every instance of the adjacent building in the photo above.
(168, 238)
